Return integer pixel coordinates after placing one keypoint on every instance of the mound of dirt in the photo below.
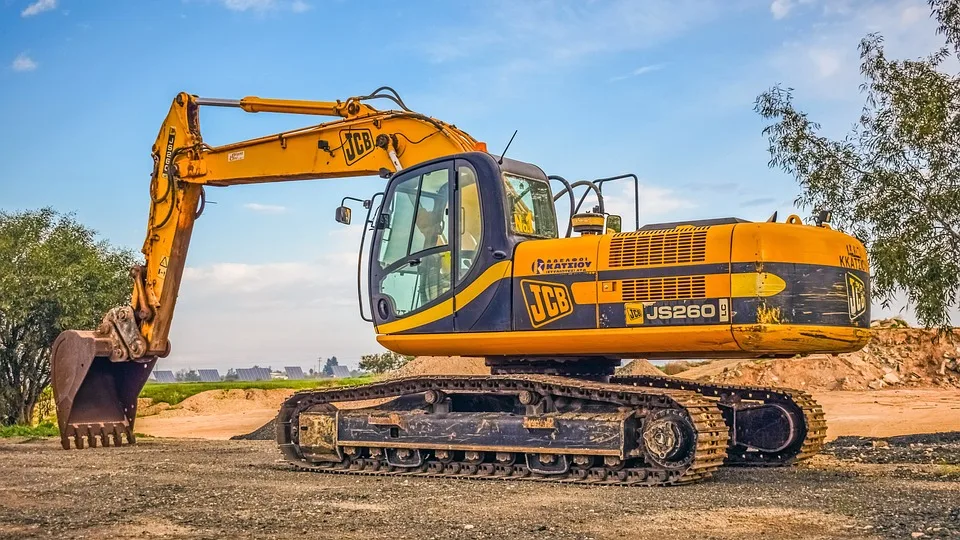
(639, 367)
(214, 402)
(895, 357)
(146, 407)
(440, 365)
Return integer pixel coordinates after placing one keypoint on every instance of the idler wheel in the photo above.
(668, 439)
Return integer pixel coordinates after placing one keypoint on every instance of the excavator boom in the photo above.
(98, 374)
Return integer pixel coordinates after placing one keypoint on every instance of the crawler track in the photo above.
(811, 436)
(707, 454)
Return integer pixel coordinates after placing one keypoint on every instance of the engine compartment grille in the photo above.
(663, 288)
(646, 248)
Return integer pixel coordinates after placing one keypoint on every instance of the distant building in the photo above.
(209, 375)
(164, 376)
(294, 373)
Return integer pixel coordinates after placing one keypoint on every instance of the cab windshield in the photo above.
(530, 210)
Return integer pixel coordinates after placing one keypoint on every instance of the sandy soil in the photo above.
(885, 413)
(172, 489)
(216, 414)
(205, 426)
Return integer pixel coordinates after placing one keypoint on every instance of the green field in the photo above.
(46, 429)
(174, 393)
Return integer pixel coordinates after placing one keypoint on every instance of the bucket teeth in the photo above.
(94, 435)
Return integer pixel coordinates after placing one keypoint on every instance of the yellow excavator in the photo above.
(465, 258)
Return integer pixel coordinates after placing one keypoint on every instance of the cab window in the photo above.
(471, 220)
(412, 245)
(530, 210)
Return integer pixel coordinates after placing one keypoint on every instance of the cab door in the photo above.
(481, 305)
(411, 284)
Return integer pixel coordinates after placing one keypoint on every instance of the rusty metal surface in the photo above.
(576, 433)
(705, 454)
(96, 399)
(810, 427)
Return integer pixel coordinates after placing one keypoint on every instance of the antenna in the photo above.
(507, 148)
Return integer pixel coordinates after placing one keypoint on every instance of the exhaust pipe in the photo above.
(96, 398)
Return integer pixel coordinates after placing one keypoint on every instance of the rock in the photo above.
(881, 444)
(917, 534)
(875, 385)
(891, 378)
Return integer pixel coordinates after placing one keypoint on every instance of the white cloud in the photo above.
(261, 6)
(245, 5)
(825, 62)
(279, 313)
(548, 34)
(639, 71)
(265, 208)
(780, 8)
(656, 204)
(510, 44)
(38, 7)
(24, 63)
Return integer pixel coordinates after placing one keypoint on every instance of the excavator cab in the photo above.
(442, 226)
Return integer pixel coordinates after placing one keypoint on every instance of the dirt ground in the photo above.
(166, 488)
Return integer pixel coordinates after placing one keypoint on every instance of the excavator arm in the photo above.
(98, 374)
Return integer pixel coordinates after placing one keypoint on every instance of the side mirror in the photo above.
(343, 215)
(614, 223)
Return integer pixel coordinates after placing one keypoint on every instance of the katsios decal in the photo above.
(854, 259)
(562, 265)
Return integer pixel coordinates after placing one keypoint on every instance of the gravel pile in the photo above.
(928, 448)
(266, 432)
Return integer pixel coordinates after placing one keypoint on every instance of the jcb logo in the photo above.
(546, 302)
(856, 296)
(356, 143)
(633, 313)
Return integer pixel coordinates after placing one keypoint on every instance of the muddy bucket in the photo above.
(95, 398)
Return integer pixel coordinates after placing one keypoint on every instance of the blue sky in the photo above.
(662, 88)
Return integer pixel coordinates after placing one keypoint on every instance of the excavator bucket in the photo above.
(96, 398)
